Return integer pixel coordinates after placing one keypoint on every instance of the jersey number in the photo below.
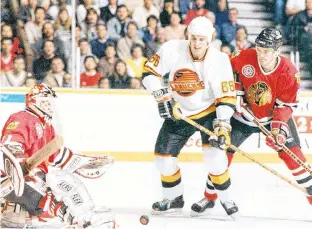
(228, 86)
(154, 60)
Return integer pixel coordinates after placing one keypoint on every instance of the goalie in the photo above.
(41, 194)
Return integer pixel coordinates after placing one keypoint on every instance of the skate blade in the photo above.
(201, 214)
(235, 216)
(170, 212)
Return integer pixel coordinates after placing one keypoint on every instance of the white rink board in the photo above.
(109, 122)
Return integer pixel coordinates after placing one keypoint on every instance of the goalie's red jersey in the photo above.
(26, 129)
(269, 95)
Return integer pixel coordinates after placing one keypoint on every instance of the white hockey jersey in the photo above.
(196, 84)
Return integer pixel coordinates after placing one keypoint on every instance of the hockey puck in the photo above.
(144, 219)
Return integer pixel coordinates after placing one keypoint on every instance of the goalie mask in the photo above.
(201, 26)
(40, 102)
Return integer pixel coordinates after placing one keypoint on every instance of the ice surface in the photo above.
(265, 201)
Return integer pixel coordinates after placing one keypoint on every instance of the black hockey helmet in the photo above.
(270, 38)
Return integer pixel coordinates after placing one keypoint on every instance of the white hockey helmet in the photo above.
(201, 26)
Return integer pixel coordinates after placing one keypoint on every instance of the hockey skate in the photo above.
(201, 206)
(168, 206)
(230, 208)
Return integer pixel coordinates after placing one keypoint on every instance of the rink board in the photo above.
(125, 124)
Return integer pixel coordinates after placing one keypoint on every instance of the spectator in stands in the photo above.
(56, 6)
(222, 14)
(198, 10)
(141, 13)
(292, 8)
(241, 42)
(33, 29)
(150, 31)
(124, 44)
(109, 11)
(7, 31)
(107, 63)
(212, 17)
(98, 45)
(81, 12)
(90, 77)
(85, 51)
(120, 79)
(103, 3)
(104, 83)
(212, 5)
(27, 12)
(302, 22)
(183, 6)
(136, 83)
(228, 29)
(88, 26)
(30, 82)
(175, 30)
(63, 30)
(78, 35)
(226, 48)
(17, 76)
(215, 42)
(45, 4)
(135, 64)
(48, 33)
(164, 16)
(55, 77)
(117, 26)
(68, 80)
(153, 46)
(43, 64)
(7, 57)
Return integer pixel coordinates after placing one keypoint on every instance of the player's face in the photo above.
(266, 56)
(198, 46)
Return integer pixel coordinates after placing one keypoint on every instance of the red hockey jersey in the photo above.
(268, 94)
(26, 128)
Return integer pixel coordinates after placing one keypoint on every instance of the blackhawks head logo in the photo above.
(259, 94)
(186, 82)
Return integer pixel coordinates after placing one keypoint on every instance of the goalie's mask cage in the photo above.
(40, 101)
(270, 38)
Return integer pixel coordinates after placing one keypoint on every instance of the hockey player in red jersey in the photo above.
(267, 84)
(45, 193)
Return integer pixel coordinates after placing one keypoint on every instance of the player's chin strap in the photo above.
(91, 167)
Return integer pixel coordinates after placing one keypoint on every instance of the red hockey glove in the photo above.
(280, 133)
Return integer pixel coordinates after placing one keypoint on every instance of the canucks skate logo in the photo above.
(186, 82)
(259, 94)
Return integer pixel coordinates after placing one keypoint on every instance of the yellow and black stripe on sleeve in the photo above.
(226, 101)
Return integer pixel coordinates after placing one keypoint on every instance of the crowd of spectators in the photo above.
(114, 38)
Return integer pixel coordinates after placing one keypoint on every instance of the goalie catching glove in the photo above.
(280, 133)
(91, 167)
(165, 103)
(222, 129)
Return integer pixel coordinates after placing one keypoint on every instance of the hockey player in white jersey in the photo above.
(201, 81)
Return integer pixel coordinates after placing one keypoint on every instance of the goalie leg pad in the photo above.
(78, 206)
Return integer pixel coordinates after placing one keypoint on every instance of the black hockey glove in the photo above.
(222, 129)
(165, 103)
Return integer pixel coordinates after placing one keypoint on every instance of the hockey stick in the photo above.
(17, 171)
(253, 119)
(178, 115)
